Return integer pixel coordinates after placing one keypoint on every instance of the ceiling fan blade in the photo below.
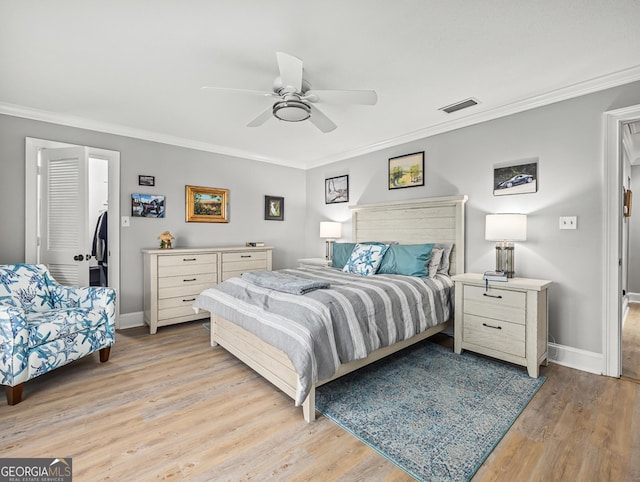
(242, 91)
(362, 97)
(320, 120)
(290, 70)
(262, 118)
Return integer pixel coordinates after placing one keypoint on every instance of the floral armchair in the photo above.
(44, 325)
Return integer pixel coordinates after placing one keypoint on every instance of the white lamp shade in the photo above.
(506, 227)
(330, 229)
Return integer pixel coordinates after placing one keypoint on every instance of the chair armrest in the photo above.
(85, 297)
(14, 340)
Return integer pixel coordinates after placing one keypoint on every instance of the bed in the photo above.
(262, 334)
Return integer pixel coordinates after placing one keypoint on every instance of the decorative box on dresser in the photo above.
(505, 320)
(174, 277)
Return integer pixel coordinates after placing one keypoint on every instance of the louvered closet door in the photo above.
(63, 215)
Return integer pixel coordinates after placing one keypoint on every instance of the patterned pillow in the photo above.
(365, 259)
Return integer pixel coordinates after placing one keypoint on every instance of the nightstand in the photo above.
(505, 320)
(313, 262)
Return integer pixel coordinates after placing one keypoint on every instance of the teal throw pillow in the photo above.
(341, 253)
(406, 259)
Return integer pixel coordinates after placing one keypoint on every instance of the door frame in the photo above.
(613, 258)
(32, 147)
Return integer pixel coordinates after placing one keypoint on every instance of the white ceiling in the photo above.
(135, 67)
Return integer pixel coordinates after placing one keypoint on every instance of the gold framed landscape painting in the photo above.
(406, 171)
(206, 204)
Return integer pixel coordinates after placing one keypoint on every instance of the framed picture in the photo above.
(627, 202)
(406, 171)
(147, 206)
(336, 190)
(146, 181)
(517, 178)
(206, 204)
(273, 208)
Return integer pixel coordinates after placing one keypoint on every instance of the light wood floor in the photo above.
(631, 343)
(168, 406)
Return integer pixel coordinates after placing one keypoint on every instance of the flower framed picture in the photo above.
(273, 208)
(206, 204)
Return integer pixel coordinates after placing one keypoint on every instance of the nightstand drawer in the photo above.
(495, 334)
(499, 304)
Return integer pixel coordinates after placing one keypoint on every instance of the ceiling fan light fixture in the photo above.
(291, 110)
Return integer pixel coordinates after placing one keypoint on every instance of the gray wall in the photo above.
(566, 137)
(174, 167)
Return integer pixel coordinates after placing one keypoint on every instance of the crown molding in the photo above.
(120, 130)
(565, 93)
(576, 90)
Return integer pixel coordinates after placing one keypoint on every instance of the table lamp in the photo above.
(330, 231)
(505, 229)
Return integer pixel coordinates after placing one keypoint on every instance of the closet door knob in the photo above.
(78, 257)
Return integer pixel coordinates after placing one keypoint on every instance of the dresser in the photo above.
(314, 262)
(173, 278)
(505, 320)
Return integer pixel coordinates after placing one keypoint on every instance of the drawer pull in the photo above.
(492, 296)
(245, 255)
(189, 259)
(192, 279)
(491, 326)
(190, 299)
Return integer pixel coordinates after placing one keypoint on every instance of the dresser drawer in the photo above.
(187, 281)
(179, 267)
(174, 307)
(499, 304)
(244, 256)
(494, 334)
(234, 264)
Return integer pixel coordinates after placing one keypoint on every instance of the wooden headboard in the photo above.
(430, 220)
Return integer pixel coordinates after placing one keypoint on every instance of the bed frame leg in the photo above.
(309, 406)
(212, 330)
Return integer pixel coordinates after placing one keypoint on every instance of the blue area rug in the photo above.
(434, 414)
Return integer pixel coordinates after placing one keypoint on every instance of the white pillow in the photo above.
(444, 262)
(434, 261)
(365, 259)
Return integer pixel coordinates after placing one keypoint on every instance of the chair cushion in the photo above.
(24, 286)
(44, 327)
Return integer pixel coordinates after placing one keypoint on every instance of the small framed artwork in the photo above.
(627, 202)
(273, 208)
(147, 206)
(336, 190)
(146, 180)
(206, 204)
(406, 171)
(519, 177)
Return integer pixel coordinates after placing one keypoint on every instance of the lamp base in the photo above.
(505, 258)
(328, 250)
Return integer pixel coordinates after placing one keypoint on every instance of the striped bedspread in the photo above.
(325, 328)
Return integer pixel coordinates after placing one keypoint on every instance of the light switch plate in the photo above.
(568, 222)
(125, 222)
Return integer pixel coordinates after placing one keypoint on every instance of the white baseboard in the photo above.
(130, 320)
(567, 356)
(633, 297)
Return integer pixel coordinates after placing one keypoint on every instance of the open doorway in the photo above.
(630, 346)
(69, 189)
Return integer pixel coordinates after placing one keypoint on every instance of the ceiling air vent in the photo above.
(459, 106)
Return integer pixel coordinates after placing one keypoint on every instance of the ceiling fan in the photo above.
(296, 99)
